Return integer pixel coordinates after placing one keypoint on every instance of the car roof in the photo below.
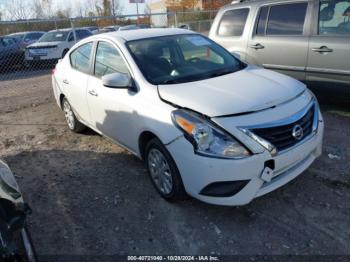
(146, 33)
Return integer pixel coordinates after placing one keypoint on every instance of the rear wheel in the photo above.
(72, 122)
(163, 171)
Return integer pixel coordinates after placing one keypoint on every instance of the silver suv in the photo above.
(308, 40)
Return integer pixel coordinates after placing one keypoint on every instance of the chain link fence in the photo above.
(30, 48)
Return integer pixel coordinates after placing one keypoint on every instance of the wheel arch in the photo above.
(62, 96)
(144, 138)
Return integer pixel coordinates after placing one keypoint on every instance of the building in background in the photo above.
(165, 6)
(155, 7)
(158, 6)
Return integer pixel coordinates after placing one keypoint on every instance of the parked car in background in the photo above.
(111, 28)
(204, 122)
(185, 26)
(123, 28)
(54, 44)
(128, 27)
(307, 39)
(26, 38)
(10, 52)
(143, 26)
(15, 244)
(92, 29)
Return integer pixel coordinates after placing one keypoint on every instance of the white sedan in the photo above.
(205, 123)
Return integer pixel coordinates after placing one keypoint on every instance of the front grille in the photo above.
(282, 136)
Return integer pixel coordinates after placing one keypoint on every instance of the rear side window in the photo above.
(334, 17)
(108, 60)
(261, 26)
(286, 19)
(233, 22)
(80, 58)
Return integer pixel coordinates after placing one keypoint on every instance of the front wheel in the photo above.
(72, 122)
(163, 171)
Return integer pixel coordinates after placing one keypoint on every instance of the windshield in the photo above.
(56, 36)
(181, 58)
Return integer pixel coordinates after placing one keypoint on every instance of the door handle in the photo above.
(257, 46)
(93, 93)
(322, 49)
(65, 81)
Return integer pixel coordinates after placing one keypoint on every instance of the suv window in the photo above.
(286, 19)
(261, 26)
(334, 17)
(108, 60)
(233, 22)
(80, 58)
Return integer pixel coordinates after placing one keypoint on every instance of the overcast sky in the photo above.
(127, 7)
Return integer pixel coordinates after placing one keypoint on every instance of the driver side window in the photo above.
(108, 60)
(334, 17)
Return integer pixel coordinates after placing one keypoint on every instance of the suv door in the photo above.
(329, 52)
(280, 38)
(231, 31)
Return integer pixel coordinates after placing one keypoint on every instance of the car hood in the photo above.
(44, 44)
(248, 90)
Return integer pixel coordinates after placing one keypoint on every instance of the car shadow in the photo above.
(332, 97)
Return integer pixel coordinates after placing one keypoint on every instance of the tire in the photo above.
(73, 123)
(168, 181)
(64, 52)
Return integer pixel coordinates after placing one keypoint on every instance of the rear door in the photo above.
(75, 80)
(280, 38)
(329, 52)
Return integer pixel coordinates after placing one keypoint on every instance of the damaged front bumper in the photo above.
(238, 182)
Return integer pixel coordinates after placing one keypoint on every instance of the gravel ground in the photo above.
(90, 197)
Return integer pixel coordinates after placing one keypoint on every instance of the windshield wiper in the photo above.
(170, 81)
(221, 73)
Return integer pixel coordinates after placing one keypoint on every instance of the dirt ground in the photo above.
(90, 197)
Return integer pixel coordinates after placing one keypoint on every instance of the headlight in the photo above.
(7, 181)
(206, 138)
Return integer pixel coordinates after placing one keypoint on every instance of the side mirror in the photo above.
(117, 80)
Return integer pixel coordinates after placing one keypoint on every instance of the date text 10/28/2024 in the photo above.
(173, 258)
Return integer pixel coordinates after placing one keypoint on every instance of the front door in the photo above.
(329, 52)
(110, 108)
(279, 40)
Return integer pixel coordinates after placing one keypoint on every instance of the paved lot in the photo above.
(92, 197)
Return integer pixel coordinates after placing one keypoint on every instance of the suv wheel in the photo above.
(72, 122)
(163, 171)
